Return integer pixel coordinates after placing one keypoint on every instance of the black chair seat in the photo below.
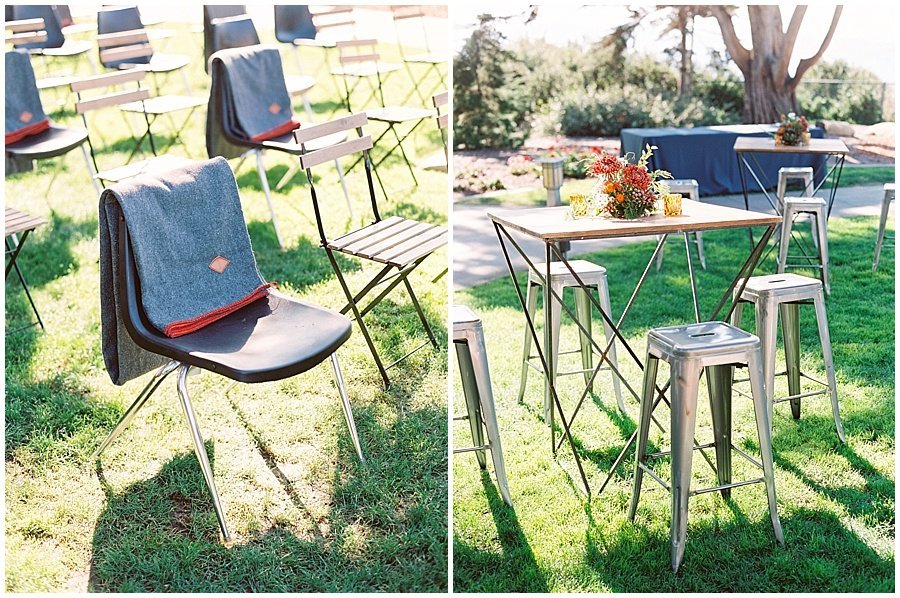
(53, 142)
(286, 143)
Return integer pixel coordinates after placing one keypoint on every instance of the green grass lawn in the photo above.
(305, 514)
(836, 501)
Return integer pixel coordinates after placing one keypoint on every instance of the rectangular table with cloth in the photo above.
(706, 154)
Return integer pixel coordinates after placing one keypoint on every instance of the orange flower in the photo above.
(610, 187)
(620, 197)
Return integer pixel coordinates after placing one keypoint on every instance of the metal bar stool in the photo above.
(468, 338)
(691, 188)
(791, 173)
(788, 292)
(815, 208)
(688, 349)
(886, 201)
(593, 275)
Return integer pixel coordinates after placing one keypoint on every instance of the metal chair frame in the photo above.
(429, 59)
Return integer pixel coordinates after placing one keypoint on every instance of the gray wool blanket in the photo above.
(24, 113)
(248, 98)
(192, 251)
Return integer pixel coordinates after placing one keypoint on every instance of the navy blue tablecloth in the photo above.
(707, 154)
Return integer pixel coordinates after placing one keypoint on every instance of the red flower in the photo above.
(636, 176)
(605, 164)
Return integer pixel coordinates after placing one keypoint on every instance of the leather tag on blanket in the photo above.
(26, 117)
(219, 264)
(274, 108)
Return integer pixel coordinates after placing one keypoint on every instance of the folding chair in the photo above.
(83, 105)
(440, 101)
(68, 24)
(135, 51)
(27, 31)
(239, 32)
(272, 338)
(395, 243)
(223, 137)
(20, 223)
(430, 59)
(213, 11)
(52, 142)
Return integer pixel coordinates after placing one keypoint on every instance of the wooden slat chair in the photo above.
(406, 16)
(215, 125)
(239, 32)
(361, 61)
(397, 244)
(138, 94)
(128, 45)
(26, 31)
(132, 50)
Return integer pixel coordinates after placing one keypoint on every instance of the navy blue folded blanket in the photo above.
(192, 251)
(24, 113)
(257, 105)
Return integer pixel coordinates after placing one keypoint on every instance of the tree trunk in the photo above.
(686, 80)
(765, 99)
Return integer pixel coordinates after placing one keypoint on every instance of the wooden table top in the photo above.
(765, 145)
(553, 224)
(17, 222)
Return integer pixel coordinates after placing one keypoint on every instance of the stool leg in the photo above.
(551, 340)
(737, 314)
(531, 306)
(763, 430)
(470, 391)
(766, 321)
(882, 223)
(786, 225)
(685, 385)
(779, 193)
(790, 332)
(478, 355)
(651, 365)
(822, 235)
(659, 256)
(718, 380)
(609, 334)
(699, 237)
(825, 339)
(583, 311)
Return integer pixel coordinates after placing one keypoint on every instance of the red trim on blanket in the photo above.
(277, 131)
(27, 131)
(182, 327)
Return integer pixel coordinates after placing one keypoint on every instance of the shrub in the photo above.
(858, 102)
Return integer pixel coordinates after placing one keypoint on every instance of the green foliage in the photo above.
(489, 106)
(858, 102)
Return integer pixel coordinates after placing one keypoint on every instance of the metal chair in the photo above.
(273, 338)
(814, 207)
(430, 59)
(468, 339)
(54, 142)
(804, 174)
(19, 223)
(886, 201)
(691, 188)
(233, 145)
(785, 293)
(688, 349)
(397, 244)
(593, 276)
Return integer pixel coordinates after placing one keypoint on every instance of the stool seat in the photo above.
(787, 170)
(805, 202)
(560, 274)
(697, 341)
(781, 286)
(794, 207)
(463, 319)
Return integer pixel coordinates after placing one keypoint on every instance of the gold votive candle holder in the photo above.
(672, 204)
(579, 205)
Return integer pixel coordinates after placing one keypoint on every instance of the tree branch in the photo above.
(807, 63)
(793, 30)
(738, 52)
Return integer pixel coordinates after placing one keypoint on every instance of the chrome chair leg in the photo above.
(531, 307)
(200, 450)
(609, 335)
(471, 395)
(345, 403)
(882, 223)
(260, 167)
(91, 171)
(790, 332)
(825, 339)
(719, 381)
(139, 402)
(822, 236)
(651, 367)
(766, 330)
(685, 383)
(583, 310)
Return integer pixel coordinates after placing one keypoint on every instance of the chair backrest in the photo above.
(97, 100)
(406, 14)
(125, 21)
(311, 158)
(333, 18)
(28, 31)
(55, 37)
(63, 14)
(233, 32)
(293, 21)
(355, 51)
(216, 11)
(441, 101)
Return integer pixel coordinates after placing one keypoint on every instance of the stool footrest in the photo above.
(699, 447)
(726, 486)
(470, 449)
(802, 395)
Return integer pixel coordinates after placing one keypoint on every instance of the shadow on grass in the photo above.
(47, 252)
(514, 569)
(820, 554)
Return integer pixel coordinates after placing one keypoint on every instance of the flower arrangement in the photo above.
(627, 190)
(792, 130)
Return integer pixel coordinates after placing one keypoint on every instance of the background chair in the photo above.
(397, 244)
(430, 59)
(213, 11)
